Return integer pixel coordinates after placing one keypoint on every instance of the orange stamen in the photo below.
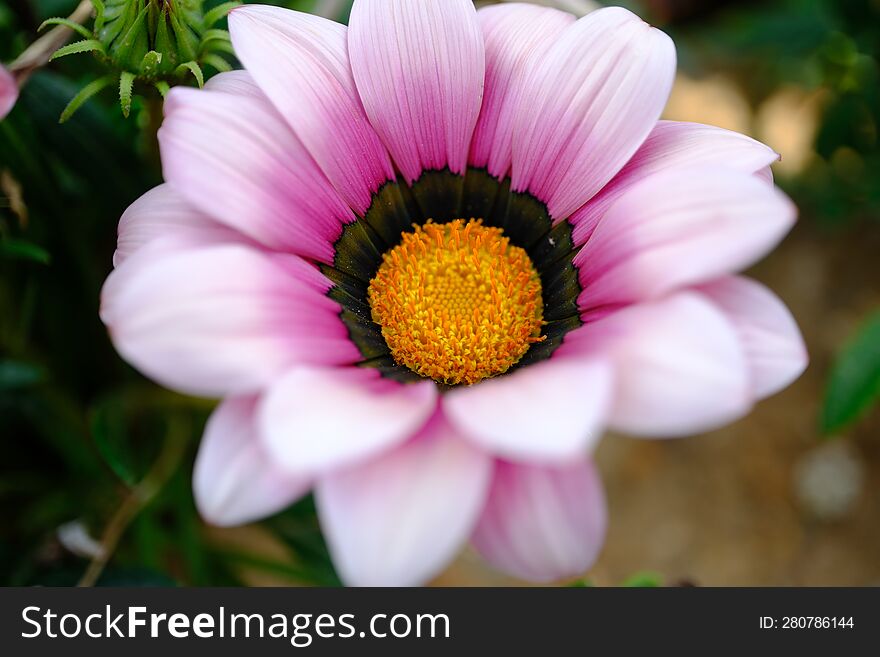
(457, 302)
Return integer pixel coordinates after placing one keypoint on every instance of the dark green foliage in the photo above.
(854, 383)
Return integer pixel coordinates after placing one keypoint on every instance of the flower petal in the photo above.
(301, 63)
(419, 68)
(8, 92)
(234, 481)
(161, 212)
(221, 319)
(516, 37)
(671, 145)
(398, 519)
(679, 366)
(551, 411)
(543, 523)
(316, 418)
(773, 345)
(588, 106)
(235, 159)
(678, 228)
(238, 83)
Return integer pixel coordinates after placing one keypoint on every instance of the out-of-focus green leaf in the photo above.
(16, 374)
(24, 250)
(298, 528)
(219, 64)
(644, 579)
(219, 12)
(854, 384)
(84, 94)
(110, 434)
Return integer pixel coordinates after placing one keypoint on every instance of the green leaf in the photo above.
(220, 64)
(219, 46)
(193, 68)
(581, 584)
(126, 82)
(111, 437)
(66, 22)
(86, 45)
(215, 35)
(99, 16)
(219, 12)
(187, 43)
(162, 87)
(16, 374)
(84, 94)
(297, 527)
(150, 63)
(645, 579)
(23, 250)
(135, 33)
(163, 42)
(854, 384)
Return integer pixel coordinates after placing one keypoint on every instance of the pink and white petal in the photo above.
(419, 69)
(672, 145)
(588, 105)
(220, 319)
(313, 419)
(678, 228)
(301, 62)
(549, 412)
(543, 523)
(234, 158)
(773, 344)
(8, 92)
(238, 83)
(398, 519)
(162, 212)
(516, 36)
(765, 174)
(680, 367)
(234, 480)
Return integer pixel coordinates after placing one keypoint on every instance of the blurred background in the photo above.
(96, 461)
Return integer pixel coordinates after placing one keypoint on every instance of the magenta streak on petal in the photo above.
(587, 106)
(516, 36)
(419, 68)
(301, 63)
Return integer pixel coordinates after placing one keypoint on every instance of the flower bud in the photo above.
(157, 43)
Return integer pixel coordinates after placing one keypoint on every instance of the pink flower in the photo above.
(8, 92)
(446, 383)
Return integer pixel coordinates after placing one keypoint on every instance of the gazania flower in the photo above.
(8, 92)
(426, 260)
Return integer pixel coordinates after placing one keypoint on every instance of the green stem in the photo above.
(38, 53)
(138, 498)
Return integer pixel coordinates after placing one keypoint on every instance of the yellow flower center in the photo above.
(457, 302)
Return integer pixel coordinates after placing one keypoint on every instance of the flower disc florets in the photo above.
(457, 302)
